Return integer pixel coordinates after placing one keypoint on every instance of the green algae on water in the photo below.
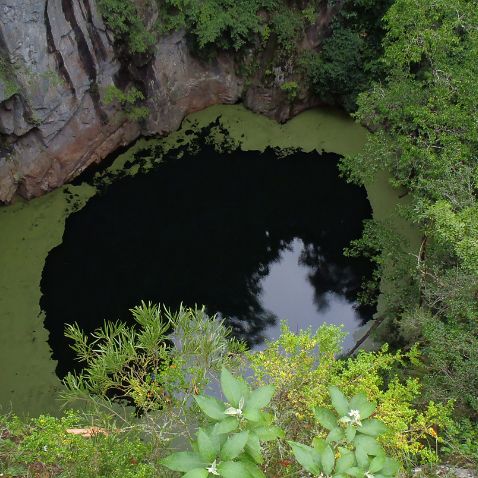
(29, 230)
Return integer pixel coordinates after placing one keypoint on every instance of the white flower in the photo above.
(369, 475)
(355, 418)
(236, 411)
(45, 448)
(354, 414)
(213, 468)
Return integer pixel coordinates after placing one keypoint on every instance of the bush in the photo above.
(122, 18)
(302, 366)
(129, 100)
(156, 367)
(351, 447)
(231, 445)
(338, 73)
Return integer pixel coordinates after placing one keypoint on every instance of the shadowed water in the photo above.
(252, 236)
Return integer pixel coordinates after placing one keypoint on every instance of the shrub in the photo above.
(129, 101)
(351, 447)
(231, 446)
(291, 88)
(157, 366)
(302, 366)
(122, 18)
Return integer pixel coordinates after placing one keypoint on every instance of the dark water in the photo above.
(252, 236)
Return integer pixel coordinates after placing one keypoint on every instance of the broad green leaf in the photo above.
(232, 388)
(252, 414)
(218, 440)
(260, 397)
(335, 435)
(360, 402)
(362, 458)
(350, 433)
(319, 444)
(346, 461)
(268, 433)
(183, 461)
(325, 417)
(228, 425)
(233, 469)
(327, 459)
(211, 406)
(307, 456)
(367, 409)
(368, 443)
(339, 401)
(207, 448)
(390, 467)
(339, 475)
(253, 448)
(253, 469)
(376, 464)
(234, 446)
(266, 419)
(355, 472)
(372, 427)
(197, 473)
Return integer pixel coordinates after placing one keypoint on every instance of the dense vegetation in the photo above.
(423, 116)
(142, 393)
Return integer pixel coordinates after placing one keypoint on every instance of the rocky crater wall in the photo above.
(57, 58)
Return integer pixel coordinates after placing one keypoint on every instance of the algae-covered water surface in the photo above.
(233, 211)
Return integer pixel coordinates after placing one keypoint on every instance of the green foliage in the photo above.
(425, 135)
(349, 57)
(462, 442)
(157, 365)
(337, 74)
(302, 366)
(221, 23)
(43, 447)
(123, 19)
(352, 436)
(231, 445)
(385, 247)
(287, 24)
(456, 230)
(291, 88)
(128, 100)
(451, 371)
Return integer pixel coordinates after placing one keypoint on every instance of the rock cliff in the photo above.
(56, 61)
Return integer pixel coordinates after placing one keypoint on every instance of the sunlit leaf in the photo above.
(183, 461)
(339, 401)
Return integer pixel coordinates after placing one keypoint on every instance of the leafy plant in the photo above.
(123, 19)
(302, 365)
(424, 134)
(352, 436)
(291, 88)
(128, 100)
(157, 365)
(231, 446)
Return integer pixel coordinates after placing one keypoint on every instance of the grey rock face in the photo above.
(57, 61)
